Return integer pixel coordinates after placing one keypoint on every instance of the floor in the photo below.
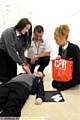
(67, 110)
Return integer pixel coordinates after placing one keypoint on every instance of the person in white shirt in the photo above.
(39, 52)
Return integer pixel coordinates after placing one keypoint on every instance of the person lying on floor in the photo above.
(14, 93)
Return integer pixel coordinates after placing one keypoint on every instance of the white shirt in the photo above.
(35, 50)
(65, 47)
(17, 33)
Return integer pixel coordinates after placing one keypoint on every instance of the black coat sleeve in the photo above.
(76, 60)
(38, 88)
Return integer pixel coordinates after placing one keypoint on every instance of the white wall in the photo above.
(49, 13)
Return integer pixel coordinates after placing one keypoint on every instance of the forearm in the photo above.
(40, 91)
(43, 54)
(22, 56)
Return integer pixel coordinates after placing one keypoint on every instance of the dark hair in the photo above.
(22, 23)
(38, 28)
(29, 37)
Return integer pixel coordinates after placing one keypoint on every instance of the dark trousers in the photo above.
(43, 62)
(12, 98)
(8, 68)
(66, 85)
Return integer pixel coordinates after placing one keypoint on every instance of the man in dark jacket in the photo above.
(14, 93)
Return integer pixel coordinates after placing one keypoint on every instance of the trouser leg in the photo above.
(17, 97)
(65, 85)
(8, 68)
(11, 68)
(43, 62)
(4, 90)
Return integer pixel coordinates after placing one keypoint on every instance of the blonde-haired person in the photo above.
(67, 50)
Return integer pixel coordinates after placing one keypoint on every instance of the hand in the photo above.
(38, 101)
(58, 57)
(33, 60)
(38, 74)
(26, 68)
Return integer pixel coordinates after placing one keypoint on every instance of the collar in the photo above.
(65, 47)
(40, 41)
(18, 33)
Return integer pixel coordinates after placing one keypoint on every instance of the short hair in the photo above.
(22, 23)
(38, 28)
(62, 30)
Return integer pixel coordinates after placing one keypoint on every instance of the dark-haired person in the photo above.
(15, 92)
(39, 51)
(67, 51)
(13, 43)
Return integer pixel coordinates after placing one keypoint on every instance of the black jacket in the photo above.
(73, 52)
(38, 88)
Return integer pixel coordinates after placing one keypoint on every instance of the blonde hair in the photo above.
(62, 30)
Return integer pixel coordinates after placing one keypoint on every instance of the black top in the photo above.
(38, 88)
(73, 52)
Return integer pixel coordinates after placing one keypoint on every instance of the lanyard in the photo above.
(37, 44)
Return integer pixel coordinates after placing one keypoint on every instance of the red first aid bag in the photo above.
(62, 70)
